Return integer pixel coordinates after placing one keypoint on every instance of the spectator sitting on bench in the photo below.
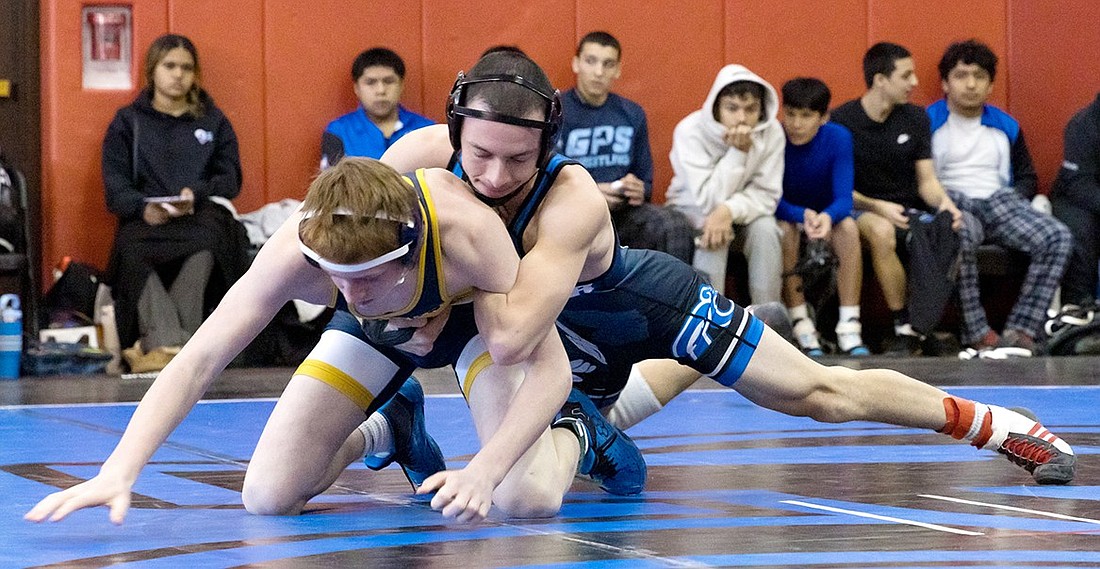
(981, 159)
(176, 251)
(378, 79)
(1075, 198)
(609, 135)
(727, 163)
(817, 202)
(893, 172)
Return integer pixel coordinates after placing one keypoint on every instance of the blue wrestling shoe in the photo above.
(415, 450)
(609, 456)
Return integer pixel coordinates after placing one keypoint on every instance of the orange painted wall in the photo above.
(280, 70)
(1054, 54)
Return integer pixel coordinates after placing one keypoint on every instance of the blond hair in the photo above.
(356, 209)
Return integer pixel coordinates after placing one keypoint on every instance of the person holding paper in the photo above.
(175, 253)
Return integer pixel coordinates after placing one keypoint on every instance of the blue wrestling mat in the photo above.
(730, 485)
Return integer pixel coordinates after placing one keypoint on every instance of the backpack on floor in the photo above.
(74, 292)
(1074, 331)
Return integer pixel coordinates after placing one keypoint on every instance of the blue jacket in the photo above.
(1024, 178)
(610, 141)
(355, 135)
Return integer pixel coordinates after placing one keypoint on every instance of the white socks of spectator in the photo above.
(377, 435)
(849, 332)
(635, 402)
(804, 329)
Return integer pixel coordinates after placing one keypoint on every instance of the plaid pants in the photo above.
(1008, 220)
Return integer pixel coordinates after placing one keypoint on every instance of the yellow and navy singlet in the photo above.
(430, 294)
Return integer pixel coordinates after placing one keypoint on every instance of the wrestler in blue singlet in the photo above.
(647, 305)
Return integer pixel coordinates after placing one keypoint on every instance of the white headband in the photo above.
(332, 267)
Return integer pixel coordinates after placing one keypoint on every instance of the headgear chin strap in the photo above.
(501, 200)
(408, 236)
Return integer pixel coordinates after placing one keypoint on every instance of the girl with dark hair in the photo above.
(164, 157)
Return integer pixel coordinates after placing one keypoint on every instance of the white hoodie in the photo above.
(707, 172)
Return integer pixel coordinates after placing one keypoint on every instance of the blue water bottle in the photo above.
(11, 336)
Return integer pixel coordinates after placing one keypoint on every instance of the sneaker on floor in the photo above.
(859, 351)
(151, 361)
(903, 345)
(414, 449)
(1028, 444)
(1070, 315)
(987, 342)
(133, 355)
(849, 339)
(609, 456)
(1016, 342)
(806, 335)
(775, 316)
(993, 347)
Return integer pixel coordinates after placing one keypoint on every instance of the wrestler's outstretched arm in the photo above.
(278, 274)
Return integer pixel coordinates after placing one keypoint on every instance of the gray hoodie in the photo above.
(707, 172)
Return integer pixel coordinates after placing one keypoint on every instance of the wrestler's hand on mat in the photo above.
(460, 494)
(99, 491)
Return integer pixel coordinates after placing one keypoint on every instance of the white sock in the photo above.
(378, 436)
(905, 330)
(799, 312)
(849, 332)
(636, 402)
(804, 330)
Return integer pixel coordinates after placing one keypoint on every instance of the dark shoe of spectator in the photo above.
(988, 342)
(987, 348)
(1070, 315)
(904, 345)
(939, 344)
(1016, 343)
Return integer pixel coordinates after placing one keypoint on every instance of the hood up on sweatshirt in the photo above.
(708, 172)
(713, 129)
